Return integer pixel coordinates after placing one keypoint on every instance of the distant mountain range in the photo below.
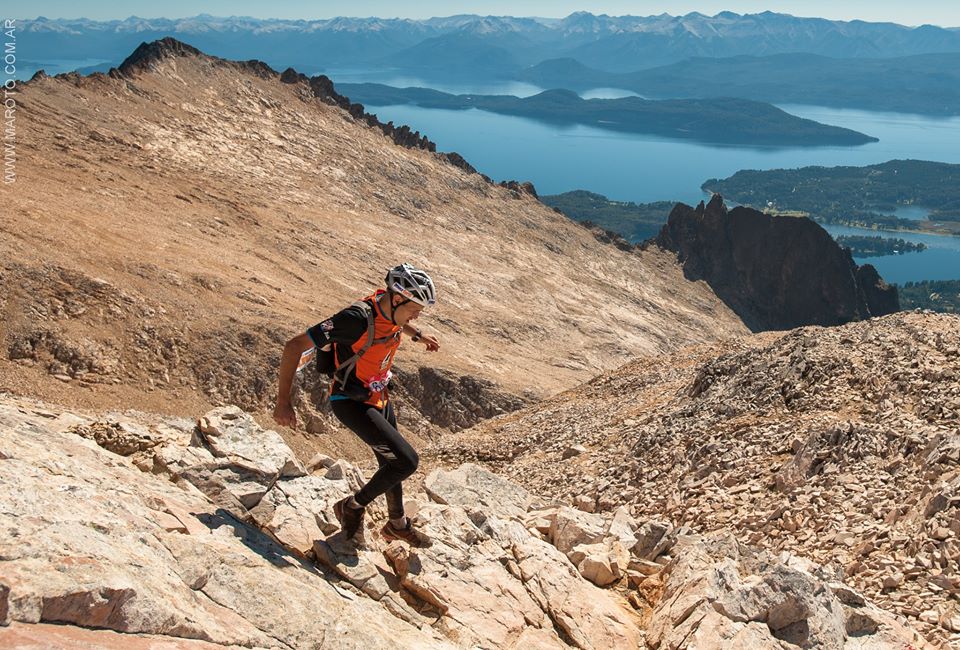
(923, 83)
(716, 120)
(502, 44)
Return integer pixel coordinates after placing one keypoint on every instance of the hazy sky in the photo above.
(937, 12)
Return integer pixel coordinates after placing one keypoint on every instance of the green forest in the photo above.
(938, 295)
(855, 196)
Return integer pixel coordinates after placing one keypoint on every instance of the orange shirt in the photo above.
(347, 331)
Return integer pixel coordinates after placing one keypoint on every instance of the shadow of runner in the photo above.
(357, 562)
(251, 537)
(338, 549)
(268, 548)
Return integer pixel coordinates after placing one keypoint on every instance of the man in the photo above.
(359, 393)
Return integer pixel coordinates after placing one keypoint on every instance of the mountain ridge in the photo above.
(288, 207)
(920, 83)
(600, 41)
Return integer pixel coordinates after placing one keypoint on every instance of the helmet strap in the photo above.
(393, 308)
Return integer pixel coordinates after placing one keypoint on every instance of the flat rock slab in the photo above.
(475, 489)
(90, 551)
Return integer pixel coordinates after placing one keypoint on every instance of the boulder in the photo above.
(573, 450)
(319, 462)
(477, 490)
(653, 539)
(230, 433)
(623, 527)
(585, 503)
(602, 564)
(573, 527)
(541, 520)
(795, 606)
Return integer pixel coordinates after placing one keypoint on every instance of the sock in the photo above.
(399, 523)
(353, 503)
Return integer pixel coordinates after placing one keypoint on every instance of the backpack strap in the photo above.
(344, 369)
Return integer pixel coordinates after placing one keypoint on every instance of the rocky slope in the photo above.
(840, 444)
(137, 531)
(176, 221)
(774, 272)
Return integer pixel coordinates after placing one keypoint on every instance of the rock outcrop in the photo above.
(838, 444)
(185, 535)
(519, 188)
(774, 272)
(94, 542)
(215, 533)
(453, 402)
(719, 594)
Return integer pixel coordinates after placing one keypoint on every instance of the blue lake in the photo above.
(940, 261)
(642, 168)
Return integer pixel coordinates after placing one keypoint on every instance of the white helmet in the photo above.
(411, 283)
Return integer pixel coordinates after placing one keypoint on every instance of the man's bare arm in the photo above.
(292, 351)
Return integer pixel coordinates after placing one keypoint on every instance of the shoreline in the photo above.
(943, 231)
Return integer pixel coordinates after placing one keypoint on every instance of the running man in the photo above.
(363, 340)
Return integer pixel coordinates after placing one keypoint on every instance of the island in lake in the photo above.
(864, 197)
(720, 120)
(877, 246)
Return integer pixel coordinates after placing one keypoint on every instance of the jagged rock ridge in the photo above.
(775, 272)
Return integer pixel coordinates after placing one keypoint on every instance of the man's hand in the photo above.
(285, 415)
(431, 342)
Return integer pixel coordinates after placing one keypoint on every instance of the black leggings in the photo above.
(396, 457)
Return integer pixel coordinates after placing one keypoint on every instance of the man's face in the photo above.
(406, 312)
